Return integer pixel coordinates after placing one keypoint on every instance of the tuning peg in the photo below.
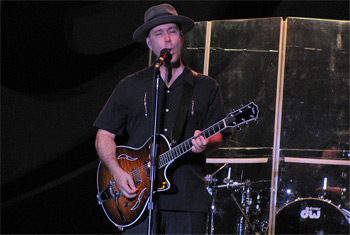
(239, 128)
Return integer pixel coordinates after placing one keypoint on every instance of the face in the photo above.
(166, 36)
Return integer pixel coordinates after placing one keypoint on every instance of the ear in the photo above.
(149, 43)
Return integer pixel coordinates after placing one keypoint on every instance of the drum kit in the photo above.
(242, 207)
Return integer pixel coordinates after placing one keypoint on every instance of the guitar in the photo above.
(124, 212)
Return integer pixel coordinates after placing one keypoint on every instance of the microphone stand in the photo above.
(154, 146)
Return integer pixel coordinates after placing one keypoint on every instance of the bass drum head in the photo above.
(311, 216)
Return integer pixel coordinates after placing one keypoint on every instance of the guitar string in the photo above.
(176, 149)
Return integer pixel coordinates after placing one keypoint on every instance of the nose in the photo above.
(166, 37)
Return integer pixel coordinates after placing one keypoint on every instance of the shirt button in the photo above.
(166, 129)
(168, 91)
(167, 110)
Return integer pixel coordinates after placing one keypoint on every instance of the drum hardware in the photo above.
(244, 205)
(211, 182)
(235, 184)
(246, 202)
(249, 205)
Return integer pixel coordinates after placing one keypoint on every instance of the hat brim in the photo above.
(141, 32)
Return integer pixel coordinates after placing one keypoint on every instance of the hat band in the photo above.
(159, 15)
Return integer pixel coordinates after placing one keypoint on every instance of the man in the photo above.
(183, 208)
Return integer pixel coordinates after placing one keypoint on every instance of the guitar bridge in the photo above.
(108, 193)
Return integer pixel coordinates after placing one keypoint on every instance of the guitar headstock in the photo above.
(245, 114)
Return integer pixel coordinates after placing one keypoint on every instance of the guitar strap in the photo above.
(182, 112)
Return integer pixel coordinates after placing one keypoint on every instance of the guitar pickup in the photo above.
(108, 193)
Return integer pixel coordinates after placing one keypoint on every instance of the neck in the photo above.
(174, 70)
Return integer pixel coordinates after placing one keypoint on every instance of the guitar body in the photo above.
(120, 210)
(124, 212)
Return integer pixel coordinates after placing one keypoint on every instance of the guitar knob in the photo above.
(126, 204)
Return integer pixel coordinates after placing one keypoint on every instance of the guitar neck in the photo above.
(245, 114)
(184, 147)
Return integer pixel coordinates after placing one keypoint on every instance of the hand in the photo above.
(125, 183)
(199, 143)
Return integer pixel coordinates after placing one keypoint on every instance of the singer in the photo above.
(184, 95)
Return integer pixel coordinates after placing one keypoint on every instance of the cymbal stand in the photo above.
(212, 191)
(246, 202)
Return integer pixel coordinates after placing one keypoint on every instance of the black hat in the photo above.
(161, 14)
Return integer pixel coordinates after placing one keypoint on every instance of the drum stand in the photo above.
(212, 191)
(244, 208)
(246, 202)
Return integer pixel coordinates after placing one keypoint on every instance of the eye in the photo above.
(172, 31)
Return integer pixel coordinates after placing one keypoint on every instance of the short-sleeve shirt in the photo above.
(129, 112)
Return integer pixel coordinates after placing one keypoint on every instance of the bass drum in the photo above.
(311, 216)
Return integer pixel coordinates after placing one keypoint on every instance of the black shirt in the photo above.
(129, 112)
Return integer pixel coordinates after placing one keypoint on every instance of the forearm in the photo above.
(106, 149)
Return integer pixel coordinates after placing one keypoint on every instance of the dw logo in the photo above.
(311, 212)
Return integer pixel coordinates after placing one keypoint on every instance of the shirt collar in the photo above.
(187, 74)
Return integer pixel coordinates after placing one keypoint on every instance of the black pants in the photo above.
(173, 222)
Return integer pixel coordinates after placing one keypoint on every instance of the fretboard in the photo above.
(179, 150)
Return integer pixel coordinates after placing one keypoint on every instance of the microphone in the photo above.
(164, 55)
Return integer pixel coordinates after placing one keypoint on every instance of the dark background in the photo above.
(60, 61)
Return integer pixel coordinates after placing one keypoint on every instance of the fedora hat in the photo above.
(161, 14)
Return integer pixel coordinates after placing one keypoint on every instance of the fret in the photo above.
(172, 156)
(182, 148)
(177, 151)
(179, 147)
(166, 156)
(206, 133)
(161, 160)
(213, 130)
(189, 144)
